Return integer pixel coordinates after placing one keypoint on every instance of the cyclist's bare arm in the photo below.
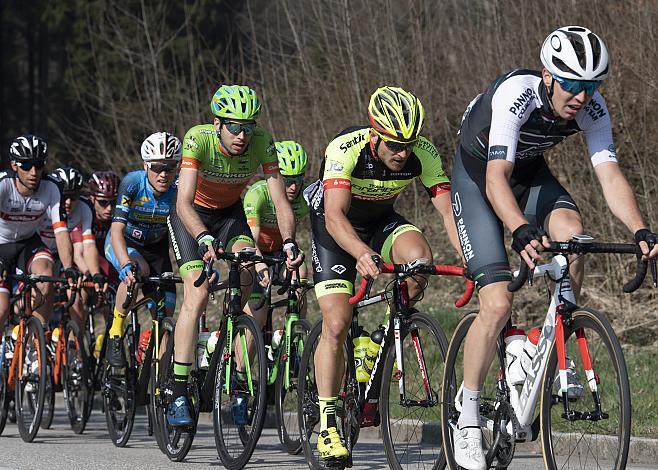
(78, 257)
(90, 254)
(118, 241)
(443, 205)
(285, 217)
(64, 248)
(500, 194)
(185, 202)
(620, 198)
(260, 267)
(336, 206)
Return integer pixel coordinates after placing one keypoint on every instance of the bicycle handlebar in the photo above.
(578, 248)
(410, 270)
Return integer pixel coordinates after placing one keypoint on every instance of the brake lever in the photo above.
(654, 272)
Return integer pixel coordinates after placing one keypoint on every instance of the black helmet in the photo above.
(28, 147)
(69, 179)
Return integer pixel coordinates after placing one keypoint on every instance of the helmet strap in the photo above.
(375, 148)
(223, 147)
(30, 191)
(550, 92)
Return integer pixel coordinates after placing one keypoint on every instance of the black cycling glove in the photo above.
(99, 278)
(72, 273)
(524, 234)
(646, 235)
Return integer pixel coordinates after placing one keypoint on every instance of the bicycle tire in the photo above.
(284, 417)
(119, 394)
(557, 434)
(77, 392)
(233, 453)
(175, 443)
(452, 382)
(409, 454)
(29, 408)
(5, 395)
(49, 401)
(308, 411)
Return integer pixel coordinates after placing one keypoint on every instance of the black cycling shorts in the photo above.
(229, 225)
(334, 269)
(20, 255)
(480, 231)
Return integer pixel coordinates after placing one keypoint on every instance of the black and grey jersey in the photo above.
(512, 120)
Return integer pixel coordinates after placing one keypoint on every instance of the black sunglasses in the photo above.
(398, 147)
(290, 180)
(27, 165)
(236, 127)
(105, 202)
(160, 167)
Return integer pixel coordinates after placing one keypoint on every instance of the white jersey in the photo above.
(78, 222)
(22, 216)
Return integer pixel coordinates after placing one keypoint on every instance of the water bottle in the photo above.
(210, 347)
(201, 346)
(144, 339)
(530, 349)
(514, 340)
(376, 339)
(98, 345)
(361, 344)
(276, 342)
(54, 337)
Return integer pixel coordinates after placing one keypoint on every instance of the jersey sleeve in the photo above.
(127, 192)
(253, 202)
(192, 149)
(432, 175)
(86, 222)
(507, 118)
(338, 166)
(594, 120)
(268, 158)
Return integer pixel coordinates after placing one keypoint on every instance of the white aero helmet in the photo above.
(575, 53)
(162, 146)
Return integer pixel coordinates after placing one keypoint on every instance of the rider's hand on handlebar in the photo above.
(73, 275)
(126, 274)
(645, 238)
(206, 250)
(294, 256)
(366, 266)
(529, 241)
(262, 274)
(100, 281)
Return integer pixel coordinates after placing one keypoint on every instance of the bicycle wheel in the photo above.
(495, 414)
(174, 442)
(285, 395)
(119, 394)
(49, 402)
(240, 399)
(308, 412)
(592, 438)
(77, 393)
(5, 395)
(411, 429)
(31, 385)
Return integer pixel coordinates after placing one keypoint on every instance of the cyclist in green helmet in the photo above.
(219, 159)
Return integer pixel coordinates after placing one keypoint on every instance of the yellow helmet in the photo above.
(396, 114)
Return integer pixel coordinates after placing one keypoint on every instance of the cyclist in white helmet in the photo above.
(138, 235)
(501, 179)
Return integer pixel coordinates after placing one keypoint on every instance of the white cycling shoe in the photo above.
(469, 453)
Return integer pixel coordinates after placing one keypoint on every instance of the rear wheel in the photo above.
(77, 390)
(240, 398)
(119, 393)
(411, 429)
(285, 394)
(31, 385)
(5, 397)
(174, 442)
(593, 435)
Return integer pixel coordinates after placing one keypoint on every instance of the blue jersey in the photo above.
(144, 214)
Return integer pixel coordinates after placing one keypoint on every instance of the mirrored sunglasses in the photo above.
(236, 127)
(577, 86)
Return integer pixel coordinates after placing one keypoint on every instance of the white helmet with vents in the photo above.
(575, 53)
(162, 146)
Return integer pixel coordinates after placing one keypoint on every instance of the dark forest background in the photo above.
(96, 77)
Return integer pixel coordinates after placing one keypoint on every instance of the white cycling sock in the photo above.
(470, 415)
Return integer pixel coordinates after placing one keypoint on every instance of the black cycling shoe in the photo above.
(114, 355)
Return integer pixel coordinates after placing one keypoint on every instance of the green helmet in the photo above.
(292, 158)
(235, 102)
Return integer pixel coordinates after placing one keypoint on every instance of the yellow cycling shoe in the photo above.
(330, 445)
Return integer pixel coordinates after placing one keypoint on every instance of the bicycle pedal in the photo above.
(333, 462)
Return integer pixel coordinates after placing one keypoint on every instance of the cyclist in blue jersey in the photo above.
(138, 235)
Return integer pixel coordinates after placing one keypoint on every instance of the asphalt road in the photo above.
(58, 448)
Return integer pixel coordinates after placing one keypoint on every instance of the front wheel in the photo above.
(31, 384)
(5, 396)
(410, 424)
(240, 398)
(596, 429)
(77, 390)
(286, 388)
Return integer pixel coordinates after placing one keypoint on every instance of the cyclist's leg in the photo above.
(334, 274)
(303, 276)
(157, 265)
(37, 259)
(195, 300)
(8, 254)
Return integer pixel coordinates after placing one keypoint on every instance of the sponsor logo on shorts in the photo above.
(457, 205)
(317, 267)
(390, 226)
(467, 249)
(338, 268)
(335, 285)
